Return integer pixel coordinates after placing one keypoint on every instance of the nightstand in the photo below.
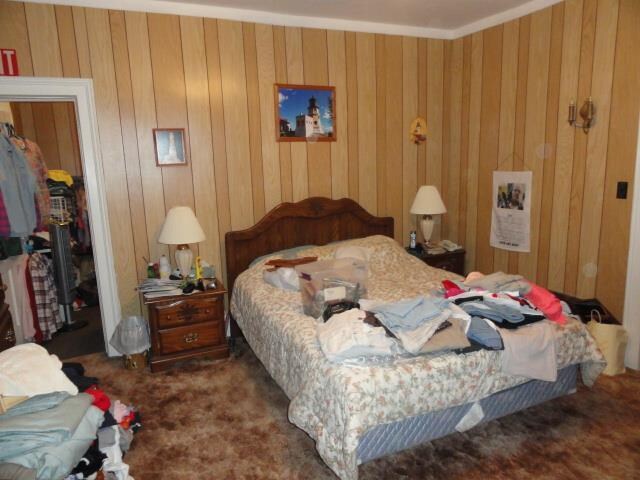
(450, 261)
(187, 326)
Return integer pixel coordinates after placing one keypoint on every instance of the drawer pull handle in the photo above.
(191, 337)
(207, 311)
(10, 336)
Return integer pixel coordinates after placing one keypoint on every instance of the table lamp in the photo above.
(181, 228)
(427, 203)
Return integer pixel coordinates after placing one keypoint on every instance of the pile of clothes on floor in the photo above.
(56, 423)
(493, 312)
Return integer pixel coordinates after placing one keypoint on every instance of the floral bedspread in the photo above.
(336, 404)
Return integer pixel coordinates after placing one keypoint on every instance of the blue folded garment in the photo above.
(36, 404)
(483, 334)
(407, 314)
(23, 433)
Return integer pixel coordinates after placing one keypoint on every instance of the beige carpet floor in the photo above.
(228, 420)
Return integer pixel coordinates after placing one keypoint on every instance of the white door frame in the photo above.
(80, 91)
(631, 297)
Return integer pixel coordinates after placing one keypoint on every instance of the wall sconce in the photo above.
(587, 112)
(418, 130)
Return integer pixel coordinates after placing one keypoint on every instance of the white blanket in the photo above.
(29, 370)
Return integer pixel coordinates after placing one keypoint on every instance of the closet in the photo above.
(45, 244)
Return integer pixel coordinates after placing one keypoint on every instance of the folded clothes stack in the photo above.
(492, 312)
(56, 418)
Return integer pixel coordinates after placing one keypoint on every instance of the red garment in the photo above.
(451, 289)
(126, 421)
(546, 301)
(38, 337)
(100, 398)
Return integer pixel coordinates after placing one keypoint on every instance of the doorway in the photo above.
(52, 127)
(80, 93)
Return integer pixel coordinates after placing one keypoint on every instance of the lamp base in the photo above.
(184, 259)
(426, 225)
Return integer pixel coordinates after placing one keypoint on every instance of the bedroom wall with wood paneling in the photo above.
(491, 100)
(517, 81)
(215, 78)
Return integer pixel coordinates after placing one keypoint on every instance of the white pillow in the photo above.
(352, 251)
(29, 370)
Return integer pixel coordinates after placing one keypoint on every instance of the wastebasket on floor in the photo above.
(131, 338)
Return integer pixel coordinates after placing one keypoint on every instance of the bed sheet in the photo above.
(336, 404)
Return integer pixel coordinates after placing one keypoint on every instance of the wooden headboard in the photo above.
(313, 221)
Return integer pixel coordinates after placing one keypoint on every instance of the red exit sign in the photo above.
(8, 62)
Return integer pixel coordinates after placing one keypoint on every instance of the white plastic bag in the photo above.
(612, 342)
(131, 336)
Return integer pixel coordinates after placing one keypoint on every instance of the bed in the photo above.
(359, 412)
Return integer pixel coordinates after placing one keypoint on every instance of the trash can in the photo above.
(131, 338)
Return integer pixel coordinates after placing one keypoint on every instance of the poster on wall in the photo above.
(511, 212)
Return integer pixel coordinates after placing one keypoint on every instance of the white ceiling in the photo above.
(439, 14)
(420, 18)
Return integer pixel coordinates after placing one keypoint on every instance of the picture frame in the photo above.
(170, 147)
(305, 113)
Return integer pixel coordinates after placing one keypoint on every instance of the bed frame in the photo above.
(313, 221)
(318, 221)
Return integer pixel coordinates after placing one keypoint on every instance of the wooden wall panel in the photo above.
(473, 156)
(489, 142)
(336, 58)
(295, 75)
(596, 162)
(571, 40)
(129, 139)
(266, 79)
(435, 87)
(43, 37)
(395, 132)
(201, 143)
(506, 138)
(45, 133)
(494, 99)
(236, 121)
(535, 127)
(366, 81)
(145, 121)
(109, 128)
(409, 149)
(254, 107)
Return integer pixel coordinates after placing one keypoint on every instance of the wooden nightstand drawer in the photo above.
(189, 337)
(188, 311)
(187, 326)
(450, 261)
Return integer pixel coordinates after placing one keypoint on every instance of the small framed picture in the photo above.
(170, 146)
(305, 113)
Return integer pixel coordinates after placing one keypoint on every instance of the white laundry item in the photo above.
(346, 336)
(530, 351)
(368, 304)
(113, 466)
(284, 278)
(470, 293)
(29, 370)
(413, 340)
(503, 298)
(472, 418)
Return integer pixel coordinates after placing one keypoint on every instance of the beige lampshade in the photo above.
(428, 202)
(181, 227)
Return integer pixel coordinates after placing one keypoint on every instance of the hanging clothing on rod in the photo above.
(32, 153)
(18, 186)
(46, 295)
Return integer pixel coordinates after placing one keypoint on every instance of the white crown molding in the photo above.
(258, 16)
(254, 16)
(502, 17)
